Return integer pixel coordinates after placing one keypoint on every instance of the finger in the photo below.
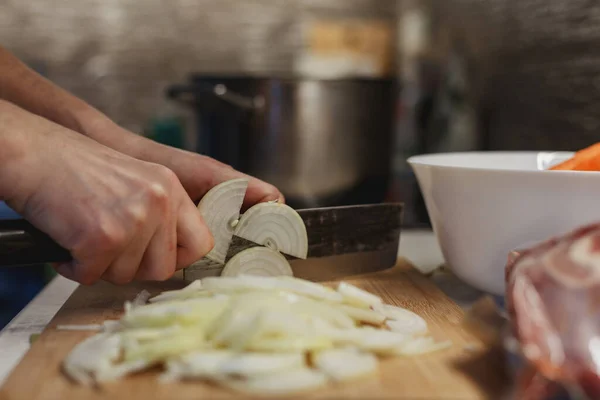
(86, 268)
(78, 272)
(125, 267)
(257, 192)
(194, 239)
(160, 256)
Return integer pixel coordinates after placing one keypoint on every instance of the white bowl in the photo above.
(482, 205)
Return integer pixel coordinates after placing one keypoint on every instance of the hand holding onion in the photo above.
(121, 218)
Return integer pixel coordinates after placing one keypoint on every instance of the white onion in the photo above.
(201, 364)
(273, 283)
(356, 296)
(362, 315)
(192, 290)
(283, 383)
(162, 314)
(253, 334)
(275, 225)
(92, 356)
(420, 345)
(84, 327)
(255, 364)
(219, 207)
(310, 289)
(111, 325)
(402, 320)
(345, 364)
(141, 298)
(258, 261)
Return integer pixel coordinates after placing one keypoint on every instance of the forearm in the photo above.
(20, 142)
(27, 89)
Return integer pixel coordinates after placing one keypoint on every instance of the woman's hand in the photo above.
(121, 218)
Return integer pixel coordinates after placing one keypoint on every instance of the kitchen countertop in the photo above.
(418, 246)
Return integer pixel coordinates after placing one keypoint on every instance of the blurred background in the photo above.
(324, 98)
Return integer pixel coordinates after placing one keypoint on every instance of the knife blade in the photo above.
(341, 240)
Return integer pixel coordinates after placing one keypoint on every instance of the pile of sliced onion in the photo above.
(262, 335)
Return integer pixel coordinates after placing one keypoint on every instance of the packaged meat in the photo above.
(553, 303)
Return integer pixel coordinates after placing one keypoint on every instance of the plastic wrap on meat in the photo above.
(553, 301)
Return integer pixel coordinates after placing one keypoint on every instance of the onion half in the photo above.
(276, 226)
(260, 261)
(220, 207)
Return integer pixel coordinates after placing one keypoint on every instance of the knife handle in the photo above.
(23, 244)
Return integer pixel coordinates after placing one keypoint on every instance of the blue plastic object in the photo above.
(18, 285)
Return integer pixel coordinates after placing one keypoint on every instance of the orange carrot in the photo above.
(587, 159)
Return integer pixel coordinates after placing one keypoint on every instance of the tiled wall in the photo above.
(120, 54)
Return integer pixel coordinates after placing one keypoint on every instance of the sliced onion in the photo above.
(111, 326)
(257, 261)
(345, 364)
(84, 327)
(308, 288)
(421, 345)
(282, 383)
(92, 356)
(252, 333)
(160, 349)
(274, 225)
(220, 207)
(402, 320)
(239, 283)
(141, 298)
(200, 311)
(251, 365)
(194, 289)
(376, 340)
(270, 283)
(202, 364)
(362, 315)
(356, 296)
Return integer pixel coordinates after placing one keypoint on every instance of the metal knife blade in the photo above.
(342, 241)
(341, 230)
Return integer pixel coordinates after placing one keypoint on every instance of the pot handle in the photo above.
(188, 93)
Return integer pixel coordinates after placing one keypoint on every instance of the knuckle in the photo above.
(167, 176)
(138, 214)
(161, 187)
(107, 234)
(157, 192)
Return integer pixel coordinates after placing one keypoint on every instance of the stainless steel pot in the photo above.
(320, 142)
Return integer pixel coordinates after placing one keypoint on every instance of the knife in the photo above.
(342, 241)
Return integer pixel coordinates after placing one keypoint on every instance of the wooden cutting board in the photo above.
(468, 370)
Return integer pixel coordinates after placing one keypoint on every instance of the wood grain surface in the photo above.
(468, 370)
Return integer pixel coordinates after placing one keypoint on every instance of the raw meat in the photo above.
(553, 300)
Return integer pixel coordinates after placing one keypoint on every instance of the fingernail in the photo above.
(273, 197)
